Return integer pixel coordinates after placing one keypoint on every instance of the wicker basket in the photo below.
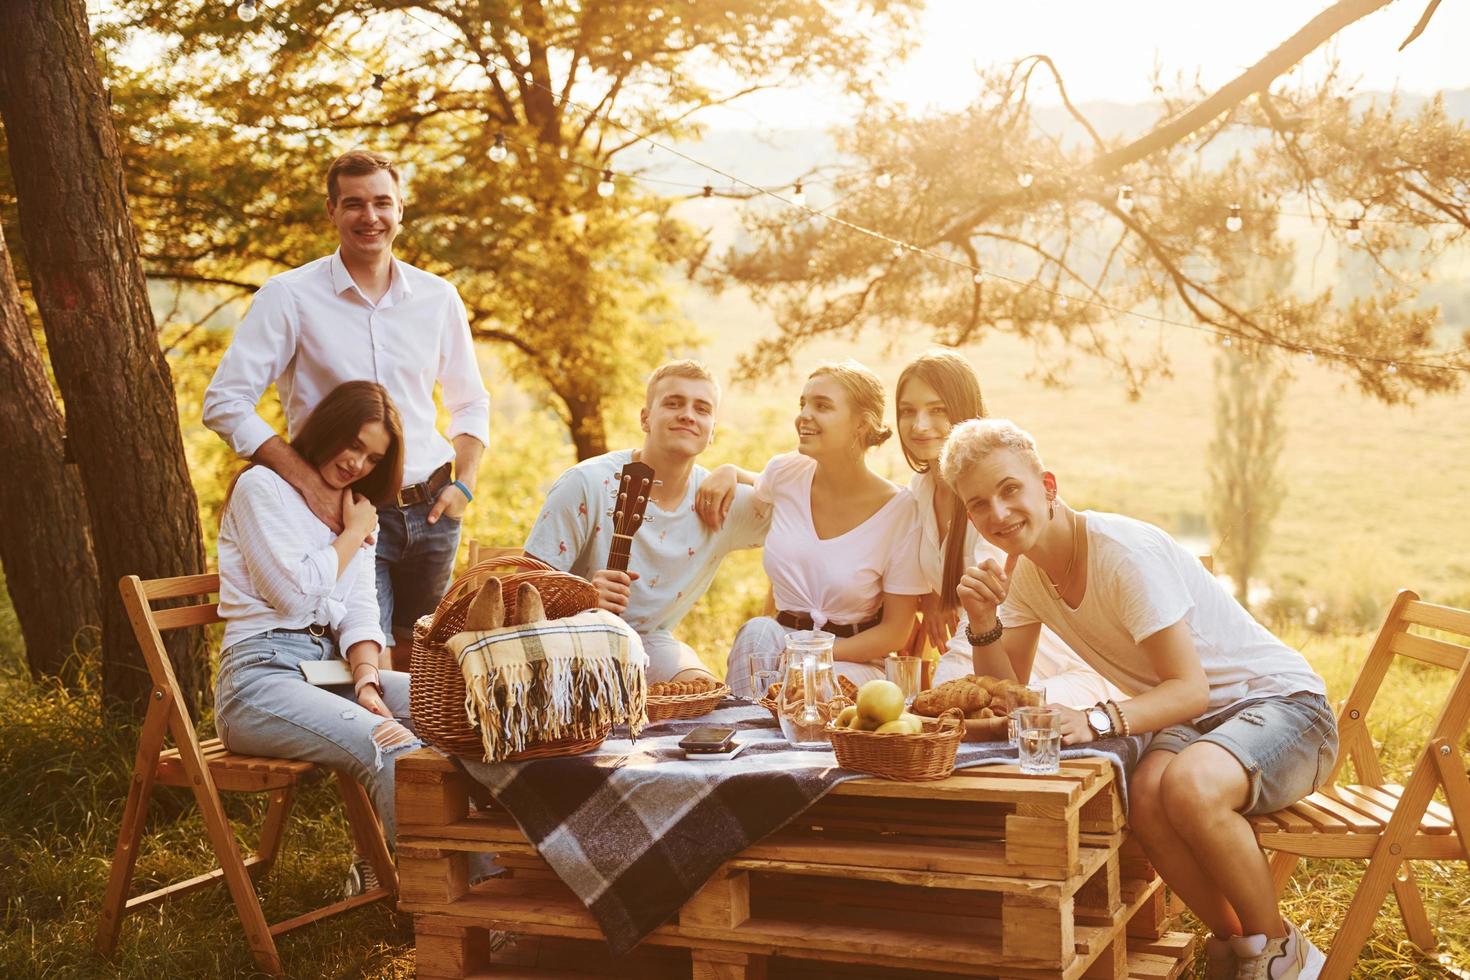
(670, 706)
(437, 694)
(848, 696)
(908, 758)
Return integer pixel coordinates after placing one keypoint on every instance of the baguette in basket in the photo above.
(542, 680)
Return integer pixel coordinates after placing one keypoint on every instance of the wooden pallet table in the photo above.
(986, 873)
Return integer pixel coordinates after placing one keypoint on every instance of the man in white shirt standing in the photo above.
(361, 314)
(671, 561)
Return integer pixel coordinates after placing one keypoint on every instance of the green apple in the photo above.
(845, 719)
(880, 701)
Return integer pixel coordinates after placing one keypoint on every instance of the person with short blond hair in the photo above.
(1240, 721)
(672, 560)
(360, 314)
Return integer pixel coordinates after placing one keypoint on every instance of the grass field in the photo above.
(66, 772)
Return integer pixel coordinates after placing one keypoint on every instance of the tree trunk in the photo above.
(44, 545)
(82, 251)
(589, 431)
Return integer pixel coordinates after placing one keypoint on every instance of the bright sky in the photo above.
(1109, 50)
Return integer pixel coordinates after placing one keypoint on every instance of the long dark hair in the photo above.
(334, 425)
(954, 380)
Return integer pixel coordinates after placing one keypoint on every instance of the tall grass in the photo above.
(66, 771)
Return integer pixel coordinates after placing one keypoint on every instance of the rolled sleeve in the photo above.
(465, 397)
(262, 347)
(360, 622)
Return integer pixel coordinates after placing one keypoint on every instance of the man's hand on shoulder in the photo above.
(325, 501)
(613, 589)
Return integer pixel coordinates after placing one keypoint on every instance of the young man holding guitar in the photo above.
(592, 521)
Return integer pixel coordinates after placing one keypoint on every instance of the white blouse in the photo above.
(841, 579)
(278, 569)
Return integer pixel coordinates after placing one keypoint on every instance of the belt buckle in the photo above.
(317, 629)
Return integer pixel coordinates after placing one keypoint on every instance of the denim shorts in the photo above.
(1286, 744)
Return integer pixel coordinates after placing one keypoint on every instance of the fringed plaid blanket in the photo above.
(554, 679)
(634, 829)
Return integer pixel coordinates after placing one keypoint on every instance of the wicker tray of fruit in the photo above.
(985, 702)
(684, 699)
(878, 737)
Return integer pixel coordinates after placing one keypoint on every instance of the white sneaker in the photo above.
(1220, 962)
(1292, 957)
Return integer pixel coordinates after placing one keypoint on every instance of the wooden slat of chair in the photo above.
(206, 768)
(1387, 824)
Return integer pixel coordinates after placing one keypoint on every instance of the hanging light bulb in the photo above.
(1393, 368)
(374, 93)
(1024, 178)
(247, 10)
(898, 251)
(1311, 357)
(1125, 198)
(1354, 234)
(798, 196)
(1225, 341)
(978, 277)
(498, 152)
(883, 180)
(605, 186)
(1063, 302)
(1234, 222)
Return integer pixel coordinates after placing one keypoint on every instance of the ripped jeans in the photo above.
(264, 706)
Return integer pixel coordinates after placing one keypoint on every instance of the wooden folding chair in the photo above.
(1387, 824)
(208, 767)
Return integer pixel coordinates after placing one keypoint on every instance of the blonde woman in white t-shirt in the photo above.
(935, 391)
(1240, 721)
(841, 553)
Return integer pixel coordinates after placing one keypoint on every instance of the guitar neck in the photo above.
(617, 555)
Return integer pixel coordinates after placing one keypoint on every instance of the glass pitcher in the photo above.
(808, 687)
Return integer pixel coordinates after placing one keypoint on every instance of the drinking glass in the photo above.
(765, 670)
(808, 687)
(904, 671)
(1034, 696)
(1040, 741)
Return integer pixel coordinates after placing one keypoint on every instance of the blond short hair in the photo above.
(971, 441)
(866, 392)
(684, 368)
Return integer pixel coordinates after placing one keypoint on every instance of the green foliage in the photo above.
(1034, 204)
(569, 285)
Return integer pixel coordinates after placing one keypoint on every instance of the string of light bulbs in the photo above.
(249, 11)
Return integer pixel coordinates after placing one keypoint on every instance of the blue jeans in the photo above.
(264, 706)
(1285, 744)
(415, 559)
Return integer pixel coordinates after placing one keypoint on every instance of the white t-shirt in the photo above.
(278, 569)
(675, 556)
(1140, 580)
(1053, 657)
(841, 579)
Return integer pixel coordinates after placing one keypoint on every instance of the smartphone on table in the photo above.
(708, 740)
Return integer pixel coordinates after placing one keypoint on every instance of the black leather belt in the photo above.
(315, 629)
(801, 621)
(417, 493)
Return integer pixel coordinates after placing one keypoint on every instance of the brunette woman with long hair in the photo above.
(292, 591)
(936, 391)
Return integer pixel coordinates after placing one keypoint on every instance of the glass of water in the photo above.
(1040, 741)
(1034, 696)
(904, 671)
(765, 670)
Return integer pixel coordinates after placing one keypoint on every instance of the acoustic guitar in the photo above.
(635, 483)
